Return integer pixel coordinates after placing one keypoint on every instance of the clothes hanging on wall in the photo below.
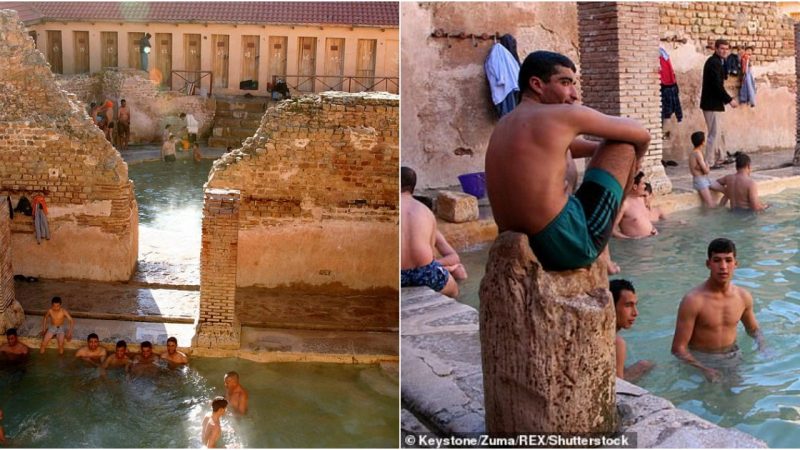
(747, 94)
(502, 72)
(510, 44)
(40, 219)
(670, 94)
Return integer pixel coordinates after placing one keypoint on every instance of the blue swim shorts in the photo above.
(434, 275)
(577, 235)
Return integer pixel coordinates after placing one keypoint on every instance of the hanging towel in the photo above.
(510, 44)
(670, 95)
(665, 71)
(748, 92)
(502, 72)
(40, 219)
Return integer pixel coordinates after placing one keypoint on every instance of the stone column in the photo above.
(217, 326)
(619, 70)
(547, 344)
(11, 313)
(796, 159)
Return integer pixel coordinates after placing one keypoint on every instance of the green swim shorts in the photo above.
(582, 229)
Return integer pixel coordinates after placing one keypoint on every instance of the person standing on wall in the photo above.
(713, 99)
(123, 125)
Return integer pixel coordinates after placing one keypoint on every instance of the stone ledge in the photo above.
(443, 383)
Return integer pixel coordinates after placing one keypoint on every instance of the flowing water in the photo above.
(763, 397)
(58, 402)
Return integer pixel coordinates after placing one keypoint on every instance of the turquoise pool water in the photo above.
(170, 198)
(764, 399)
(56, 402)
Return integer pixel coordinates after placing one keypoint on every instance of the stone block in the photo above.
(456, 207)
(558, 380)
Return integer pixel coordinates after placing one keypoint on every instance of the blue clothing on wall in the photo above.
(748, 92)
(507, 105)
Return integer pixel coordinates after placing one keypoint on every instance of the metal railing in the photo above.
(191, 80)
(317, 83)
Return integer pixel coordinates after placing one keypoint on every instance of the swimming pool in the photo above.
(58, 402)
(764, 399)
(170, 198)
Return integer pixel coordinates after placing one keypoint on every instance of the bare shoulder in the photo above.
(743, 294)
(693, 299)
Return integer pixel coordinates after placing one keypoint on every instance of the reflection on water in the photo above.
(170, 198)
(763, 399)
(58, 402)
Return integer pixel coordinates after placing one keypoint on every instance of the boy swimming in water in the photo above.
(57, 328)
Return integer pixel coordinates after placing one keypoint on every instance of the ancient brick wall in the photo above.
(319, 191)
(48, 146)
(217, 325)
(151, 108)
(757, 24)
(618, 43)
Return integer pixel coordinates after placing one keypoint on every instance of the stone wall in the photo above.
(151, 108)
(319, 194)
(619, 41)
(11, 313)
(771, 124)
(217, 324)
(448, 114)
(48, 145)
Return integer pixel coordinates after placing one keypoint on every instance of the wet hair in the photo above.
(121, 344)
(146, 344)
(648, 188)
(122, 101)
(233, 374)
(742, 160)
(93, 104)
(698, 137)
(172, 339)
(11, 332)
(408, 179)
(721, 245)
(182, 115)
(542, 65)
(638, 178)
(218, 403)
(55, 300)
(617, 286)
(720, 42)
(92, 335)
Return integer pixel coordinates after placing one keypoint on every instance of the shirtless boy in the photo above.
(172, 355)
(14, 348)
(92, 352)
(145, 361)
(123, 125)
(236, 394)
(526, 173)
(212, 429)
(57, 316)
(656, 213)
(417, 241)
(700, 170)
(633, 221)
(740, 189)
(625, 302)
(119, 358)
(709, 313)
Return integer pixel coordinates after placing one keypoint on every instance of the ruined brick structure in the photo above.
(151, 108)
(48, 146)
(217, 325)
(310, 203)
(619, 42)
(11, 314)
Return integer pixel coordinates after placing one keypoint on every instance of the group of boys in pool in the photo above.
(144, 363)
(531, 192)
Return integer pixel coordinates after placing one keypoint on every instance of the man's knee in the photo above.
(451, 288)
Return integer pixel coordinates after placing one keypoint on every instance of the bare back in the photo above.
(525, 169)
(738, 188)
(716, 316)
(417, 234)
